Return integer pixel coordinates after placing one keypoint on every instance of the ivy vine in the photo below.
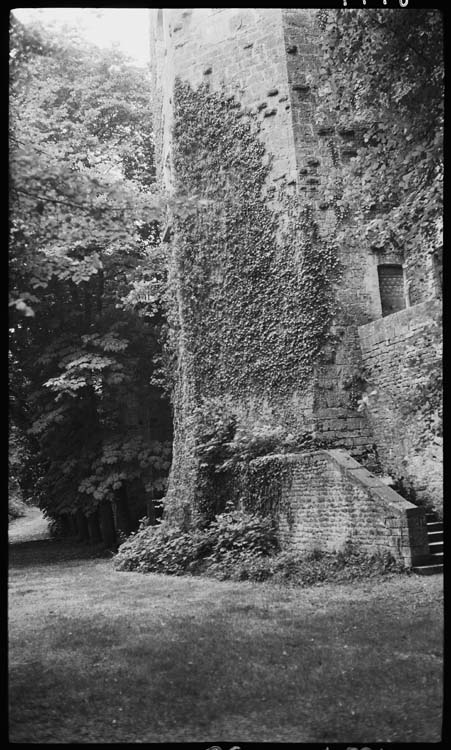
(258, 302)
(253, 280)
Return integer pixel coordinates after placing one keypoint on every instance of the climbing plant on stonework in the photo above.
(253, 282)
(380, 86)
(257, 301)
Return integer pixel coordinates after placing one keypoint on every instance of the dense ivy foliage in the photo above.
(252, 280)
(380, 84)
(380, 96)
(256, 291)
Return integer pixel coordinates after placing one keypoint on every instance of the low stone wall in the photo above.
(402, 355)
(328, 498)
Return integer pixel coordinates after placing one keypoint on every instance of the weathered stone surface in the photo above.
(250, 53)
(399, 352)
(329, 499)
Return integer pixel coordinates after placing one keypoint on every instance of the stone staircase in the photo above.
(434, 562)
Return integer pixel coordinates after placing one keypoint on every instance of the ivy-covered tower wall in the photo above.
(264, 309)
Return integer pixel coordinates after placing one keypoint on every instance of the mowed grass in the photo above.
(97, 655)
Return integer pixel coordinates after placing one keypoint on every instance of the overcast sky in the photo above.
(129, 27)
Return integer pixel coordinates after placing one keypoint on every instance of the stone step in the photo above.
(429, 559)
(432, 563)
(428, 570)
(432, 526)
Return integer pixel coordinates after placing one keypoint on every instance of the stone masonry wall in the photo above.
(314, 148)
(336, 418)
(330, 499)
(402, 354)
(237, 50)
(318, 150)
(262, 57)
(266, 59)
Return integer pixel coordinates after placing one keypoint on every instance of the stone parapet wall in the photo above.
(328, 499)
(402, 354)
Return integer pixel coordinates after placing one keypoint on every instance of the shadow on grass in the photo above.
(316, 678)
(52, 552)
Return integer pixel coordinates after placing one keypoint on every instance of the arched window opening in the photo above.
(391, 288)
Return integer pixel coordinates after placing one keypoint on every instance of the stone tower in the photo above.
(262, 62)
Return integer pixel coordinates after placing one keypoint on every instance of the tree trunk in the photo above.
(82, 526)
(151, 515)
(107, 525)
(63, 522)
(154, 509)
(95, 534)
(122, 512)
(67, 528)
(73, 525)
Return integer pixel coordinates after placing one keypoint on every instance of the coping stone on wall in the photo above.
(373, 483)
(382, 329)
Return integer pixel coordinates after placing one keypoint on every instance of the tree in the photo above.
(87, 277)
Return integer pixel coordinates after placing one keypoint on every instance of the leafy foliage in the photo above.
(164, 549)
(251, 281)
(349, 564)
(380, 86)
(243, 458)
(244, 335)
(16, 506)
(20, 478)
(254, 279)
(76, 112)
(242, 546)
(85, 338)
(235, 530)
(226, 440)
(161, 549)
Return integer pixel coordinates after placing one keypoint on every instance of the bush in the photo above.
(55, 526)
(240, 566)
(235, 531)
(162, 549)
(291, 568)
(240, 546)
(165, 549)
(16, 507)
(350, 564)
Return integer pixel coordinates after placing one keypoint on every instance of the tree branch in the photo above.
(71, 204)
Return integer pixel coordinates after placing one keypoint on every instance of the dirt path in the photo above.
(28, 528)
(31, 545)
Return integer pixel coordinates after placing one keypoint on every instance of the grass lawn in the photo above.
(98, 655)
